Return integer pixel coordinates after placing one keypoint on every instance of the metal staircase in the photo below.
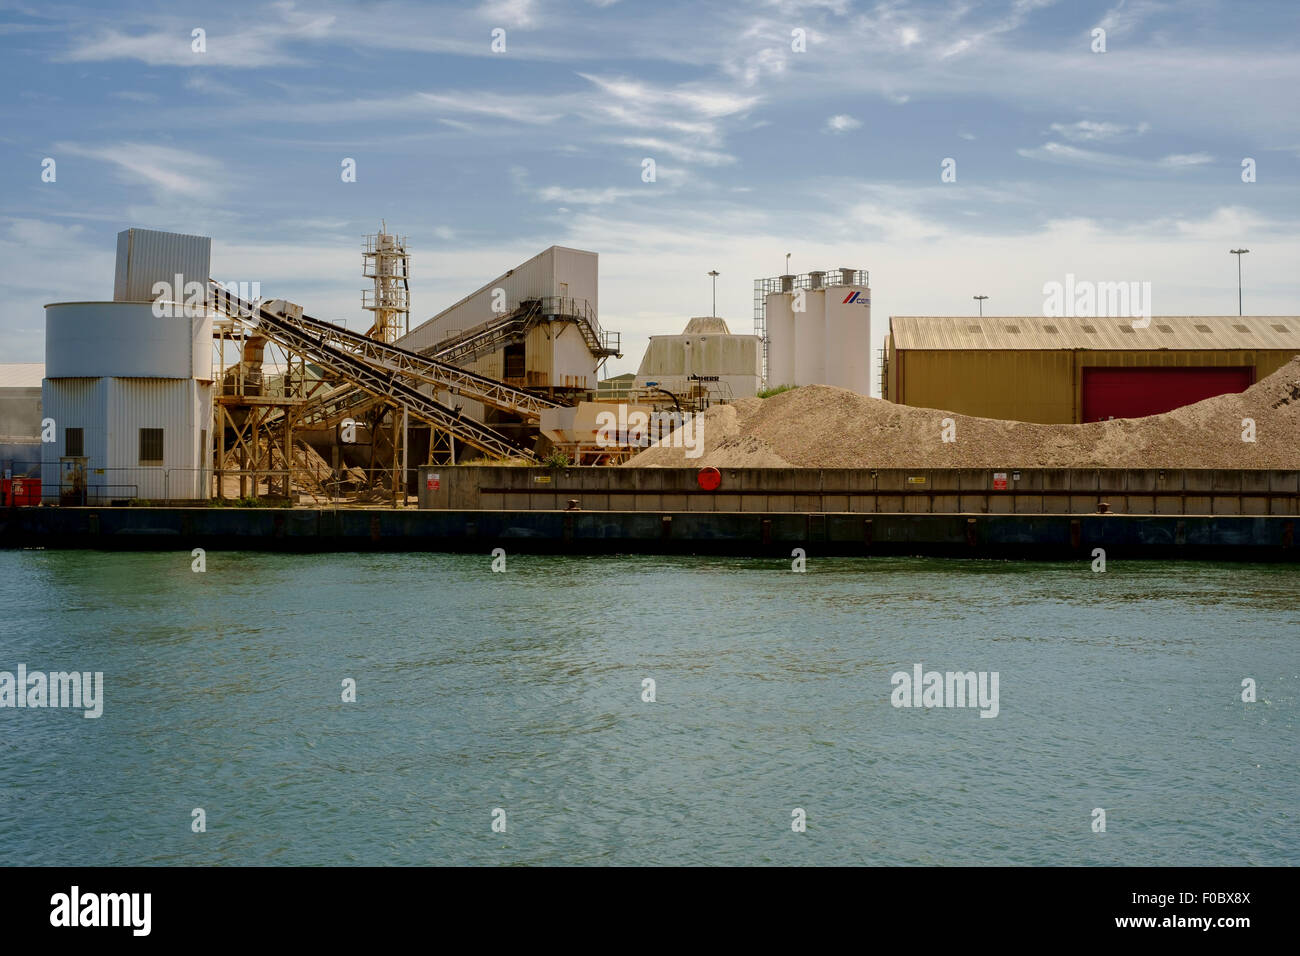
(513, 326)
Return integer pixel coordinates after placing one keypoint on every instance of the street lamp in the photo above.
(980, 299)
(1238, 253)
(787, 263)
(714, 274)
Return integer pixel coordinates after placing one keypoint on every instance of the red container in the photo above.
(21, 492)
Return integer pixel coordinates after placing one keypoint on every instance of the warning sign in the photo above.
(433, 482)
(999, 481)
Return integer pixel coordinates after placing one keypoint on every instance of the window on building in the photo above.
(151, 446)
(514, 362)
(74, 442)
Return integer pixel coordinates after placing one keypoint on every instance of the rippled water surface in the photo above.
(523, 691)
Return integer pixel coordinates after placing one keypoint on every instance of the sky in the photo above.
(818, 128)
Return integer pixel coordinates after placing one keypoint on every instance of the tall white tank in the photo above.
(810, 337)
(781, 346)
(847, 347)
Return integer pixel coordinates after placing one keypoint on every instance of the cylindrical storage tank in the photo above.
(810, 336)
(848, 338)
(780, 340)
(127, 340)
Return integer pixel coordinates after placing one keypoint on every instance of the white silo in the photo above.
(810, 336)
(781, 340)
(818, 328)
(848, 332)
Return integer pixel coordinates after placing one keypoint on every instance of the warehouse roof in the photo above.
(1183, 332)
(22, 375)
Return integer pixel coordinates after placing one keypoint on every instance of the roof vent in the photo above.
(1012, 328)
(1090, 328)
(1167, 329)
(787, 283)
(1280, 328)
(1127, 327)
(1051, 328)
(815, 279)
(974, 328)
(1241, 328)
(1202, 328)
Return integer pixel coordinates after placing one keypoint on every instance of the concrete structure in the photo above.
(817, 328)
(1041, 536)
(1070, 370)
(128, 384)
(20, 417)
(705, 356)
(822, 491)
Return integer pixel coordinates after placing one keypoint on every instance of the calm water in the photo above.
(523, 691)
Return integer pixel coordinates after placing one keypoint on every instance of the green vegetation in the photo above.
(775, 390)
(557, 460)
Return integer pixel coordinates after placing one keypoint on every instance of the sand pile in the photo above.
(818, 426)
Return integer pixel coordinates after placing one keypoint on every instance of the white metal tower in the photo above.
(385, 260)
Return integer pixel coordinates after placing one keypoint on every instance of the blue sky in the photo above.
(1123, 165)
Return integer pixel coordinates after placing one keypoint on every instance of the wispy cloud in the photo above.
(266, 45)
(679, 151)
(1077, 156)
(842, 123)
(165, 169)
(1096, 131)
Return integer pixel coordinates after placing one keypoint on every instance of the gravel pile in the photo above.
(819, 426)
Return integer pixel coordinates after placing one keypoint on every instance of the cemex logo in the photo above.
(857, 297)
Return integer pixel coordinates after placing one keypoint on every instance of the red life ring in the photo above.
(709, 478)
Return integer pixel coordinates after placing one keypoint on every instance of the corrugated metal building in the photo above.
(128, 383)
(1064, 370)
(554, 355)
(147, 256)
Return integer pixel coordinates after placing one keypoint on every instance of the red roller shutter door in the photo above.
(1134, 392)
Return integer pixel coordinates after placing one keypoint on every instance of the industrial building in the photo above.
(706, 358)
(1071, 370)
(535, 326)
(816, 328)
(130, 390)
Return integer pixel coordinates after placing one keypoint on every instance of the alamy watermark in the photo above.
(36, 689)
(923, 688)
(1093, 300)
